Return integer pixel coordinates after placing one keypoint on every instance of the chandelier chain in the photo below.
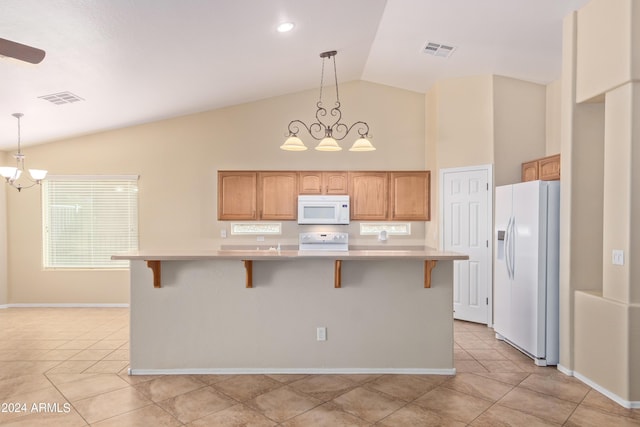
(335, 74)
(18, 117)
(321, 81)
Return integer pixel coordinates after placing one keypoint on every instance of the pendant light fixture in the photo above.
(330, 132)
(13, 174)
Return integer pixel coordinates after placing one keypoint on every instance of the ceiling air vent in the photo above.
(438, 49)
(61, 98)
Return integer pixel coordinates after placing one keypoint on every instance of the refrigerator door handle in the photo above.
(507, 260)
(512, 248)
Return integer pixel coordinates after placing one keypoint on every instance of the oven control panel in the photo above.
(318, 240)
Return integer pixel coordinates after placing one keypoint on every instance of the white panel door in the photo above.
(466, 226)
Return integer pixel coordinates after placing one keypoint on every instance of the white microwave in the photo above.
(323, 209)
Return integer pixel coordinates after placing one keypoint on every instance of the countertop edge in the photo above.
(266, 255)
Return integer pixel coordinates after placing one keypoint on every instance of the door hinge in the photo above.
(487, 243)
(487, 186)
(487, 300)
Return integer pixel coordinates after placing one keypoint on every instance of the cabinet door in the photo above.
(236, 195)
(335, 182)
(369, 195)
(530, 171)
(325, 182)
(409, 196)
(549, 168)
(278, 195)
(309, 182)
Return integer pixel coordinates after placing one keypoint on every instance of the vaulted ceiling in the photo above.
(133, 62)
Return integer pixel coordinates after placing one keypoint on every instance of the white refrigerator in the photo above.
(526, 264)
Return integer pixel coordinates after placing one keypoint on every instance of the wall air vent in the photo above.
(61, 98)
(438, 49)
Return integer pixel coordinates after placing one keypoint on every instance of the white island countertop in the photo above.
(267, 255)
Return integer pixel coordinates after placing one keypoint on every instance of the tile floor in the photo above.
(67, 367)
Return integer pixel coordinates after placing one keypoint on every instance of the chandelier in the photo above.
(328, 132)
(13, 174)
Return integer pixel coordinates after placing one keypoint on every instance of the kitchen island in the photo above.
(259, 311)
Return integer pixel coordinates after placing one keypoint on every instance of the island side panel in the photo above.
(205, 319)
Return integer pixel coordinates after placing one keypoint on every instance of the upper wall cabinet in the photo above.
(369, 193)
(409, 196)
(549, 168)
(546, 169)
(273, 193)
(530, 171)
(323, 182)
(237, 195)
(278, 195)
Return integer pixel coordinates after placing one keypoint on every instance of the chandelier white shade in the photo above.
(293, 143)
(13, 173)
(328, 144)
(327, 132)
(362, 144)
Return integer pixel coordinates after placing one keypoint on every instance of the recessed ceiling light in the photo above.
(285, 27)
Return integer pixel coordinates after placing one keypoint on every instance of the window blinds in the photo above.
(87, 219)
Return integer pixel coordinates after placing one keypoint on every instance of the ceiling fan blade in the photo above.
(21, 51)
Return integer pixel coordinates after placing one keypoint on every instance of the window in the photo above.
(397, 228)
(250, 228)
(86, 219)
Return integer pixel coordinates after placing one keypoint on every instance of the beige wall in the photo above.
(605, 57)
(518, 126)
(464, 135)
(431, 163)
(553, 118)
(617, 230)
(602, 327)
(581, 199)
(599, 300)
(177, 161)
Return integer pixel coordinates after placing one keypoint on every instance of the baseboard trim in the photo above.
(565, 370)
(265, 371)
(64, 305)
(620, 401)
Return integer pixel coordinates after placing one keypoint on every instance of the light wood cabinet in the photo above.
(323, 182)
(249, 195)
(546, 169)
(237, 195)
(273, 195)
(410, 196)
(549, 168)
(530, 171)
(277, 195)
(369, 193)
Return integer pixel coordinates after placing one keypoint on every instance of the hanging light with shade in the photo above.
(328, 133)
(13, 173)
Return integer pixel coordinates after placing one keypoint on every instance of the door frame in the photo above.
(490, 194)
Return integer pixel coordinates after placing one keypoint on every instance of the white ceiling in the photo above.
(139, 61)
